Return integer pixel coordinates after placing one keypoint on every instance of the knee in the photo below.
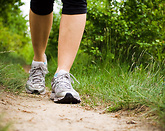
(42, 7)
(74, 7)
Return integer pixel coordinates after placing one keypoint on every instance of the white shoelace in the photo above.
(65, 80)
(37, 74)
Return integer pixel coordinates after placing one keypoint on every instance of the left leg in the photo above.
(71, 30)
(70, 34)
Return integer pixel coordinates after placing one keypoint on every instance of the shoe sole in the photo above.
(35, 92)
(68, 99)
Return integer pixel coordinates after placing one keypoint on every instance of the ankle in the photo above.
(40, 58)
(58, 69)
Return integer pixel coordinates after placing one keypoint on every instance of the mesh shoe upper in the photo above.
(36, 81)
(61, 85)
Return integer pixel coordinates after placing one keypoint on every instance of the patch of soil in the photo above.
(26, 68)
(38, 113)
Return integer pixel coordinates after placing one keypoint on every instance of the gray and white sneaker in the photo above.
(36, 81)
(62, 90)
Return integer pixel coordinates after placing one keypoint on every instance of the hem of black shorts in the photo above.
(45, 13)
(71, 12)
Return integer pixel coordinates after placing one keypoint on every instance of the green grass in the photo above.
(119, 87)
(3, 125)
(12, 75)
(116, 87)
(12, 78)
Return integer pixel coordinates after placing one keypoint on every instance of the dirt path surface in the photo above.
(38, 113)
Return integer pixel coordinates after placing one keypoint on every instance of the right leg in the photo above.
(41, 18)
(40, 26)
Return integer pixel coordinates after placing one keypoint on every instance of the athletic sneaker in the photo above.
(62, 90)
(36, 81)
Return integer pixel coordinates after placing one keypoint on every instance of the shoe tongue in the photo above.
(37, 63)
(60, 73)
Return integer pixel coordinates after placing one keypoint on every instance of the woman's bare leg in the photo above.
(40, 26)
(70, 35)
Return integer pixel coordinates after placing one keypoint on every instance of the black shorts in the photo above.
(70, 7)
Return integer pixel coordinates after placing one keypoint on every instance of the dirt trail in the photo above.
(38, 113)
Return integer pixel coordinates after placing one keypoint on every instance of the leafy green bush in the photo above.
(10, 41)
(117, 30)
(14, 30)
(120, 31)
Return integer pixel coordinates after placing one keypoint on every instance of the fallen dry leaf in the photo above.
(131, 122)
(31, 119)
(117, 116)
(27, 111)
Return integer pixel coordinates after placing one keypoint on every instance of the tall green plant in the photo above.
(119, 30)
(13, 29)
